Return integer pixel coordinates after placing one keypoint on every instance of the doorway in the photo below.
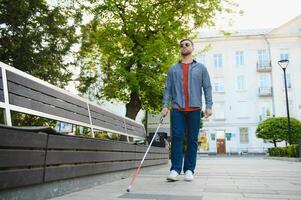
(221, 146)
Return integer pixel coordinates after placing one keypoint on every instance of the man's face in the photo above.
(186, 47)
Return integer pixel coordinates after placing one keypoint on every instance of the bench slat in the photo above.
(21, 158)
(27, 139)
(107, 125)
(103, 112)
(20, 177)
(68, 157)
(15, 78)
(111, 120)
(79, 143)
(20, 90)
(71, 171)
(38, 106)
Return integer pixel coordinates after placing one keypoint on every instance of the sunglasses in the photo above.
(184, 45)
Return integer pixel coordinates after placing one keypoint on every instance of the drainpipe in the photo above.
(270, 58)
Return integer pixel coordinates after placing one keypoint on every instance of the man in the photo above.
(184, 85)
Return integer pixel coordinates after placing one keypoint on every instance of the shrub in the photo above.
(289, 151)
(275, 130)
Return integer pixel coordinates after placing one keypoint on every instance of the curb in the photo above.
(283, 159)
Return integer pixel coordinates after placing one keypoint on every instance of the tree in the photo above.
(134, 43)
(275, 130)
(36, 38)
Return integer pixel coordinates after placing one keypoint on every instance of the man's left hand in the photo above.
(208, 113)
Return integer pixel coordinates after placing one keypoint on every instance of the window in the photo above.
(244, 135)
(212, 136)
(218, 84)
(218, 61)
(201, 59)
(219, 110)
(265, 85)
(264, 82)
(239, 58)
(241, 83)
(284, 54)
(262, 58)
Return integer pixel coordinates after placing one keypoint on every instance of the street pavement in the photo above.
(216, 178)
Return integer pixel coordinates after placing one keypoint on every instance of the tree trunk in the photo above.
(133, 107)
(275, 143)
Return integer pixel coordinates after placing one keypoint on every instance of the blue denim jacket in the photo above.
(198, 78)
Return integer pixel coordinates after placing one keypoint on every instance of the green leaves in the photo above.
(37, 39)
(289, 151)
(137, 42)
(276, 129)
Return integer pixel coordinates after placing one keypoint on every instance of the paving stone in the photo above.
(158, 197)
(216, 178)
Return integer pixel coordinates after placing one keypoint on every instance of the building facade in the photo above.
(247, 85)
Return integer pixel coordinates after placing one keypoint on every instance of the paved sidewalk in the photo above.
(216, 178)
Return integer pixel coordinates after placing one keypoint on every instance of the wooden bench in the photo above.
(30, 157)
(38, 156)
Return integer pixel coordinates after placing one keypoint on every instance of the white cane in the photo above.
(139, 167)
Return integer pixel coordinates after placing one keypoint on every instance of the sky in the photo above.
(260, 14)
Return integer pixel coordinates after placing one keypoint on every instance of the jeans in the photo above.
(184, 124)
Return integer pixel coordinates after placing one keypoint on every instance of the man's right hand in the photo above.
(164, 112)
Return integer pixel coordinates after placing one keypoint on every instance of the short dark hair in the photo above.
(186, 39)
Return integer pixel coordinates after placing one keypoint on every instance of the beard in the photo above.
(186, 53)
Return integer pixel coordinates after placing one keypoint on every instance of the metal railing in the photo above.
(265, 91)
(264, 66)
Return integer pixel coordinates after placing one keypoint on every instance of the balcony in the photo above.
(265, 91)
(264, 66)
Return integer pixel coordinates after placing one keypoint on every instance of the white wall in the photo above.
(242, 108)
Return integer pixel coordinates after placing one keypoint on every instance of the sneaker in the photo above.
(188, 175)
(173, 176)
